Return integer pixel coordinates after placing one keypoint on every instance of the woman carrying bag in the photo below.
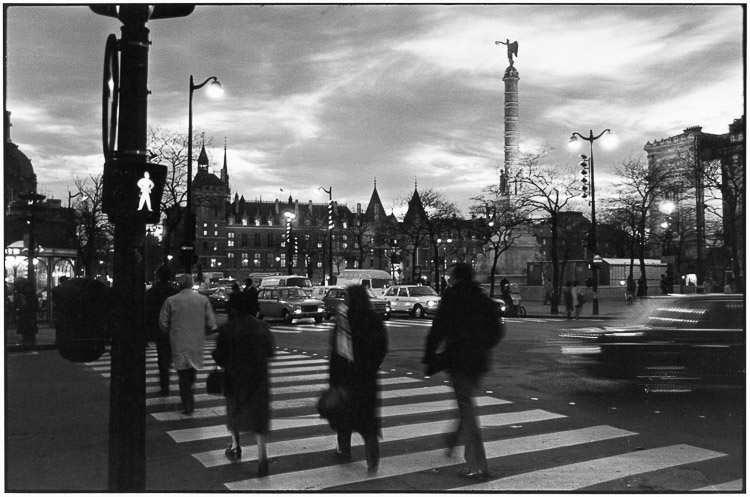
(242, 349)
(358, 346)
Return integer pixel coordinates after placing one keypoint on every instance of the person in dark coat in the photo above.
(27, 305)
(251, 291)
(234, 301)
(359, 343)
(155, 297)
(244, 345)
(569, 298)
(467, 326)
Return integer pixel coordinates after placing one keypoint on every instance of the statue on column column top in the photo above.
(512, 49)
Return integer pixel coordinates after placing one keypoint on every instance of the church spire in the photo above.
(224, 171)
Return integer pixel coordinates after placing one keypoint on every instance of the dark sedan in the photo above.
(680, 340)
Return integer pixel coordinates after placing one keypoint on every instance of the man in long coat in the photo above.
(187, 317)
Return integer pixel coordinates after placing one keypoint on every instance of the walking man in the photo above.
(187, 317)
(469, 325)
(155, 297)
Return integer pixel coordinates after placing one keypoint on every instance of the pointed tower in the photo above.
(224, 171)
(203, 159)
(511, 119)
(375, 212)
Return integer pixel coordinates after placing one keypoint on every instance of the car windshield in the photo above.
(301, 281)
(422, 291)
(293, 293)
(697, 314)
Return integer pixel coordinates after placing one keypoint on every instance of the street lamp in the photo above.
(595, 259)
(444, 243)
(330, 231)
(289, 250)
(214, 91)
(667, 207)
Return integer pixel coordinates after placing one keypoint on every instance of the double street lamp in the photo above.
(289, 242)
(595, 258)
(214, 90)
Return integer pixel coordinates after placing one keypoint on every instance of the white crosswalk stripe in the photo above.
(413, 410)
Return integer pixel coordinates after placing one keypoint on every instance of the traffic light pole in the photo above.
(127, 408)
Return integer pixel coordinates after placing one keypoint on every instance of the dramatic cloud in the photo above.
(346, 95)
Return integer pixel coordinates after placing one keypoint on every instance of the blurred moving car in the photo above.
(415, 300)
(682, 340)
(333, 297)
(289, 303)
(219, 297)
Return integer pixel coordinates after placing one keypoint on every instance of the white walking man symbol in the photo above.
(145, 184)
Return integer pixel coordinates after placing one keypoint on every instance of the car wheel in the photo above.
(418, 312)
(287, 317)
(318, 319)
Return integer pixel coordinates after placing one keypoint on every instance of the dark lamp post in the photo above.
(214, 90)
(289, 248)
(595, 258)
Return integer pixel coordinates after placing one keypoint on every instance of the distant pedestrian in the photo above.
(242, 349)
(27, 305)
(155, 297)
(708, 285)
(252, 296)
(547, 292)
(234, 301)
(568, 298)
(359, 344)
(664, 285)
(578, 299)
(187, 317)
(642, 287)
(467, 326)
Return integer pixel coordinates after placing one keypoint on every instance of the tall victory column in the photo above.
(511, 116)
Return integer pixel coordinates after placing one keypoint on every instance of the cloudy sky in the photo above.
(341, 95)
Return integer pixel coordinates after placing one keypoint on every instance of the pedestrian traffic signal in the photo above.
(133, 190)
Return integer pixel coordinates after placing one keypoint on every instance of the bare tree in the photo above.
(546, 191)
(641, 187)
(94, 232)
(498, 222)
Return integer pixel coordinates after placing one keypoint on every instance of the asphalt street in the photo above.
(545, 429)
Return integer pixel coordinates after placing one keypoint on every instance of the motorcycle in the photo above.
(512, 297)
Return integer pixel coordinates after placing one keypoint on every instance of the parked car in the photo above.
(290, 303)
(334, 297)
(219, 297)
(682, 339)
(415, 300)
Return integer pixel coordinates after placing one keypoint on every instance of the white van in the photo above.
(291, 280)
(371, 278)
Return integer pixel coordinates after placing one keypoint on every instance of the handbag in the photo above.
(215, 382)
(333, 405)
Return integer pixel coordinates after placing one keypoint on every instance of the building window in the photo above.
(213, 262)
(257, 239)
(216, 233)
(270, 222)
(244, 221)
(256, 259)
(320, 264)
(230, 239)
(244, 240)
(257, 221)
(244, 261)
(270, 260)
(205, 246)
(269, 240)
(230, 259)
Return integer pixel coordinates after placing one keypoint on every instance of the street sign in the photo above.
(133, 190)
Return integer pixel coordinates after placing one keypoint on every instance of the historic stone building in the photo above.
(693, 155)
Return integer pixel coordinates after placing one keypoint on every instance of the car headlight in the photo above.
(431, 303)
(321, 309)
(297, 309)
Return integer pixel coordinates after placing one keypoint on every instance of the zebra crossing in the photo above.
(415, 414)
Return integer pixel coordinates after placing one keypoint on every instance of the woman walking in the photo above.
(242, 349)
(358, 345)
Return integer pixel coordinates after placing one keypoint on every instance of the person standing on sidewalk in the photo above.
(568, 297)
(187, 317)
(242, 349)
(251, 291)
(359, 344)
(155, 297)
(468, 326)
(27, 305)
(578, 299)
